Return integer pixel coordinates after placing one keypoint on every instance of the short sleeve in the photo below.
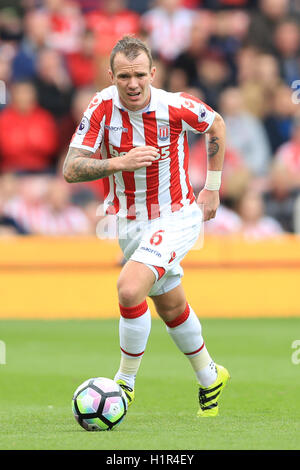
(196, 115)
(89, 133)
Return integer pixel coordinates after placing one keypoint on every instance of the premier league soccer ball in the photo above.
(99, 404)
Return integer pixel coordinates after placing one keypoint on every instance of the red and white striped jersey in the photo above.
(163, 187)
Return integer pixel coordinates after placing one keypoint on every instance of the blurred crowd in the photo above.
(241, 57)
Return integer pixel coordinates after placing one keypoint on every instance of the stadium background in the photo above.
(241, 57)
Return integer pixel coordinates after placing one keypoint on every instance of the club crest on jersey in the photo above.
(83, 126)
(163, 132)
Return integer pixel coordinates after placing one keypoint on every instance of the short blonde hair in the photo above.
(131, 47)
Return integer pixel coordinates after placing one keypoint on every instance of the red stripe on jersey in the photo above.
(95, 120)
(190, 194)
(128, 176)
(175, 186)
(114, 209)
(192, 119)
(194, 98)
(152, 172)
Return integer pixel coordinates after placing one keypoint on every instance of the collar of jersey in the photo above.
(151, 106)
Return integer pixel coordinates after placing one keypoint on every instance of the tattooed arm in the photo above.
(216, 144)
(208, 199)
(80, 165)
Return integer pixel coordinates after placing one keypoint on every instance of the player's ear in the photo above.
(111, 75)
(152, 74)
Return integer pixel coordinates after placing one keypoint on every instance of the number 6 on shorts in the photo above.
(156, 238)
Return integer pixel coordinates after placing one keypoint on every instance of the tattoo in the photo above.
(213, 147)
(80, 165)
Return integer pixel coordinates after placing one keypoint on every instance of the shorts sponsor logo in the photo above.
(83, 126)
(150, 250)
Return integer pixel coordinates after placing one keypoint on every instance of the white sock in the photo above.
(186, 332)
(134, 330)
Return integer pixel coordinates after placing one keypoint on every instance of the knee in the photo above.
(171, 312)
(128, 293)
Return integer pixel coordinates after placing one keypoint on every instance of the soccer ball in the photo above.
(99, 404)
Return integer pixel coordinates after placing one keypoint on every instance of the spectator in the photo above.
(201, 30)
(82, 64)
(79, 103)
(279, 118)
(264, 22)
(235, 173)
(245, 133)
(43, 207)
(259, 89)
(53, 84)
(213, 75)
(109, 23)
(226, 222)
(10, 25)
(168, 27)
(280, 198)
(8, 225)
(28, 134)
(66, 25)
(287, 47)
(36, 32)
(255, 225)
(288, 155)
(230, 31)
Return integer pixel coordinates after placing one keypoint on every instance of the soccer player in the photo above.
(142, 132)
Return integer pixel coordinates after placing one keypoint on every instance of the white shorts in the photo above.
(162, 243)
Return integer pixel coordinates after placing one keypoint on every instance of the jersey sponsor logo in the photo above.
(164, 152)
(163, 132)
(83, 126)
(116, 128)
(150, 250)
(173, 256)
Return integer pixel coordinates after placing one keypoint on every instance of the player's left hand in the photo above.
(209, 202)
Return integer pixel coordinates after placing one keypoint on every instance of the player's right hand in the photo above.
(138, 157)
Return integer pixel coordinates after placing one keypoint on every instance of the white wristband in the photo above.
(213, 180)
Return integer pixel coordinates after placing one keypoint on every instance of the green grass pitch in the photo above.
(47, 360)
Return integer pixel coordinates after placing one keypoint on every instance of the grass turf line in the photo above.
(47, 360)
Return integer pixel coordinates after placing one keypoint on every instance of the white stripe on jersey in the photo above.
(138, 140)
(181, 156)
